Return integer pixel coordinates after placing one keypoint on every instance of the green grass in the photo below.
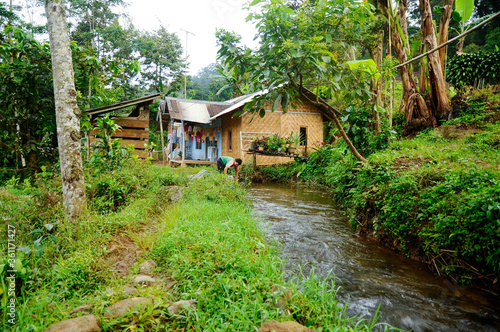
(207, 245)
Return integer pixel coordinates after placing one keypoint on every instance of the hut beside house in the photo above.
(135, 126)
(201, 131)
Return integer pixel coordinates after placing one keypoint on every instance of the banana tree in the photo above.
(417, 113)
(440, 105)
(463, 9)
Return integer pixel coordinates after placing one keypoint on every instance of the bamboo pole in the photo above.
(449, 41)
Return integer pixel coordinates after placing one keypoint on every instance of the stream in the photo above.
(311, 232)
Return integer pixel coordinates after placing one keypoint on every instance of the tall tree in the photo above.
(295, 47)
(208, 85)
(160, 57)
(444, 25)
(92, 18)
(67, 111)
(414, 103)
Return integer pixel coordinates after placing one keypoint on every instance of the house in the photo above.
(201, 131)
(135, 126)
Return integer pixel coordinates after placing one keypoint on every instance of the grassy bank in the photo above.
(201, 233)
(435, 197)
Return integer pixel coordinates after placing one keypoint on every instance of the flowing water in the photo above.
(312, 233)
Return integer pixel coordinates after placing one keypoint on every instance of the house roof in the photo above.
(201, 111)
(237, 103)
(105, 109)
(191, 110)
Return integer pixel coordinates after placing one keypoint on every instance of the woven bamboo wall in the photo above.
(253, 123)
(233, 125)
(282, 123)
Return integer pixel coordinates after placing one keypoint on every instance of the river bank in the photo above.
(201, 234)
(434, 197)
(313, 234)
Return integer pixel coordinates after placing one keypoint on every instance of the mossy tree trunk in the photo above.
(67, 111)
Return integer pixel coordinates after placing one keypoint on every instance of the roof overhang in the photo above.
(190, 110)
(106, 109)
(241, 102)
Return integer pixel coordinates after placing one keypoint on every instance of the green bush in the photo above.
(360, 121)
(450, 214)
(466, 68)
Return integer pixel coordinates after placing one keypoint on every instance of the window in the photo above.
(230, 140)
(198, 144)
(303, 136)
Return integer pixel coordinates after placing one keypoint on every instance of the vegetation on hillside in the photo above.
(435, 197)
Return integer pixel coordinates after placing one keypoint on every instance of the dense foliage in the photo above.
(435, 197)
(467, 69)
(27, 126)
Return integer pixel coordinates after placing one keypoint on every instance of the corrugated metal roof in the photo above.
(201, 111)
(238, 102)
(194, 110)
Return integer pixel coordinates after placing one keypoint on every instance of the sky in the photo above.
(200, 17)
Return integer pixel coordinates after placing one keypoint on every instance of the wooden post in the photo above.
(254, 160)
(87, 136)
(171, 139)
(183, 144)
(161, 133)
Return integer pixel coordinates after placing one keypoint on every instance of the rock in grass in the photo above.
(289, 326)
(129, 290)
(123, 307)
(147, 266)
(88, 323)
(176, 307)
(84, 308)
(144, 280)
(199, 175)
(175, 193)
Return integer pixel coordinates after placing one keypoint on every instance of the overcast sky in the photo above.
(200, 17)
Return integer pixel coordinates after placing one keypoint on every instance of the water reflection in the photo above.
(312, 233)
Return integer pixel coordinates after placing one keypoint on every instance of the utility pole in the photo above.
(185, 69)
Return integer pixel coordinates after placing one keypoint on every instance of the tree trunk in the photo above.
(378, 57)
(460, 46)
(414, 106)
(401, 50)
(67, 112)
(348, 141)
(444, 24)
(439, 96)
